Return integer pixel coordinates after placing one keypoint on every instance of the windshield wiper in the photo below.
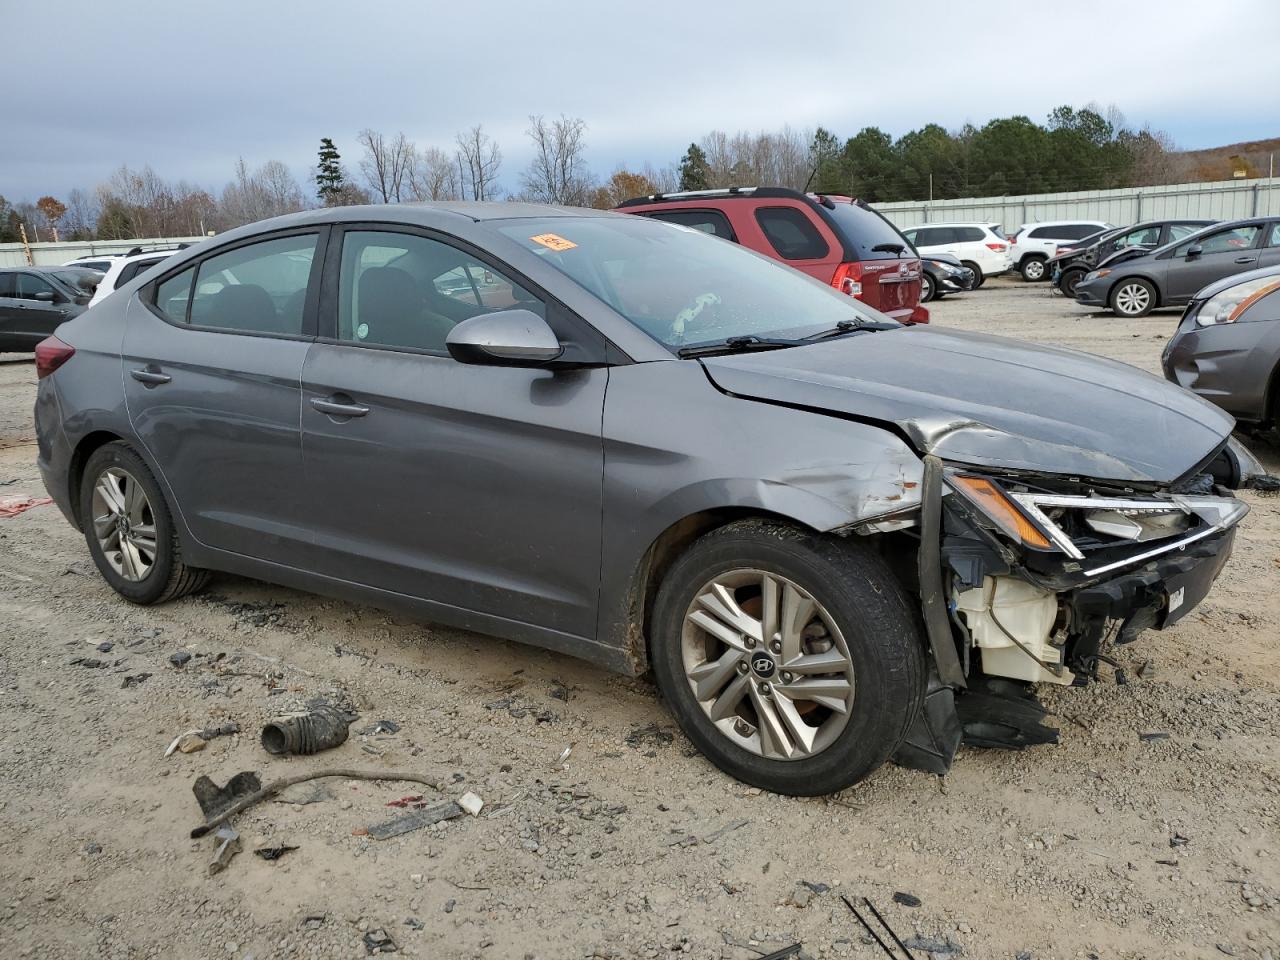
(736, 345)
(841, 327)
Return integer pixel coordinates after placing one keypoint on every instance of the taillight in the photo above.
(997, 247)
(51, 353)
(848, 279)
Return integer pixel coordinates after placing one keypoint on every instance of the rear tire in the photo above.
(1132, 298)
(130, 530)
(1032, 269)
(978, 277)
(858, 645)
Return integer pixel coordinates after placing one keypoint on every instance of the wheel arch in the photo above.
(84, 449)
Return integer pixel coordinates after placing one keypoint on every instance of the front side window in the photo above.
(680, 286)
(791, 233)
(258, 288)
(29, 285)
(1224, 241)
(1180, 230)
(173, 296)
(1274, 239)
(406, 290)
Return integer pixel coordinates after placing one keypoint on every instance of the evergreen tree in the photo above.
(695, 171)
(330, 182)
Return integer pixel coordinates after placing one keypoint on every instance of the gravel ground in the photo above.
(1105, 846)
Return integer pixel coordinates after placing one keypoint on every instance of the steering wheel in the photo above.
(690, 313)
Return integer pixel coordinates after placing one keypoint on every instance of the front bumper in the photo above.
(1093, 293)
(1229, 364)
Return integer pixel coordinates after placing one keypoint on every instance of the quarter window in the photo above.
(791, 233)
(973, 234)
(405, 290)
(259, 288)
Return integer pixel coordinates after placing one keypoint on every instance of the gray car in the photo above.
(1227, 347)
(34, 301)
(1132, 283)
(832, 539)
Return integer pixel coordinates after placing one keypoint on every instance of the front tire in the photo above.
(791, 659)
(130, 531)
(927, 289)
(1133, 298)
(1032, 269)
(1070, 280)
(978, 277)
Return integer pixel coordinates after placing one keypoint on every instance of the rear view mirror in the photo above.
(1194, 251)
(508, 338)
(44, 296)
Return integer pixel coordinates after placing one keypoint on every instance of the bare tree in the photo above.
(82, 215)
(269, 191)
(386, 163)
(558, 172)
(433, 176)
(479, 160)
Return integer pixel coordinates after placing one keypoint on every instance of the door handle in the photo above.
(335, 408)
(152, 378)
(1245, 259)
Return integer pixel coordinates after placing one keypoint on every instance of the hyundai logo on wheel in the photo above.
(762, 664)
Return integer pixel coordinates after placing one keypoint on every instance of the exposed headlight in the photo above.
(1229, 305)
(1095, 274)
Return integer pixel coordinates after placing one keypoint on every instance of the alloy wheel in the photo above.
(767, 664)
(1132, 299)
(124, 524)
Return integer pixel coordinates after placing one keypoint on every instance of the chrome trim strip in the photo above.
(1178, 545)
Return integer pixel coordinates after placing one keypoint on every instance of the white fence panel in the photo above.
(52, 254)
(1222, 200)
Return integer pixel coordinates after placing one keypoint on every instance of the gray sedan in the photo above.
(1227, 347)
(832, 539)
(1132, 284)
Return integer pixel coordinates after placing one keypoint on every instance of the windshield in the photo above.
(684, 287)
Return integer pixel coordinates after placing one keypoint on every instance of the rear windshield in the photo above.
(863, 229)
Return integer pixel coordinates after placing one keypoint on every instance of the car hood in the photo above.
(1123, 255)
(990, 401)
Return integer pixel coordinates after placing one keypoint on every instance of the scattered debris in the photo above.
(559, 691)
(12, 506)
(934, 946)
(105, 646)
(304, 793)
(308, 731)
(383, 726)
(906, 899)
(415, 820)
(135, 680)
(1148, 670)
(89, 663)
(1178, 840)
(228, 847)
(1154, 735)
(379, 941)
(206, 734)
(275, 786)
(180, 659)
(883, 924)
(818, 888)
(727, 828)
(785, 952)
(273, 853)
(471, 803)
(652, 735)
(413, 923)
(92, 848)
(191, 742)
(215, 800)
(565, 754)
(404, 802)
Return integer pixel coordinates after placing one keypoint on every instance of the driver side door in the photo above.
(1223, 253)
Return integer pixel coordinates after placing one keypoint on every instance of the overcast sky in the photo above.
(187, 87)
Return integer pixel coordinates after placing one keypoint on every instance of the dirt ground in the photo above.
(1108, 845)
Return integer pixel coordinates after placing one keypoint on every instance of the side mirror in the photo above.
(44, 296)
(507, 338)
(1194, 251)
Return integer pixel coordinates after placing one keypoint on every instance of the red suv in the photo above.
(839, 240)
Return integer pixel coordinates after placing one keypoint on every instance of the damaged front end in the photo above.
(1026, 578)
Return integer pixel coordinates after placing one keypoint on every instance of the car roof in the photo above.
(956, 223)
(1031, 224)
(1215, 227)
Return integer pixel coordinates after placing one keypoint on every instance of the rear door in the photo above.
(1222, 253)
(475, 487)
(1270, 255)
(212, 363)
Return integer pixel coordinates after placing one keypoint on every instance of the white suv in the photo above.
(125, 268)
(981, 247)
(1035, 243)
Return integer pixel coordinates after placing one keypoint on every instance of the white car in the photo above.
(102, 262)
(125, 268)
(1034, 243)
(981, 247)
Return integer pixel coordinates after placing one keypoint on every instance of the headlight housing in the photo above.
(1095, 275)
(1229, 305)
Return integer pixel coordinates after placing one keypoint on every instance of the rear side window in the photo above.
(791, 233)
(1047, 233)
(863, 229)
(259, 288)
(973, 234)
(174, 294)
(708, 221)
(8, 285)
(934, 236)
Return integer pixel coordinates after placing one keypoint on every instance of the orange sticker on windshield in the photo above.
(553, 241)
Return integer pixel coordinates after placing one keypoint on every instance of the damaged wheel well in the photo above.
(75, 474)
